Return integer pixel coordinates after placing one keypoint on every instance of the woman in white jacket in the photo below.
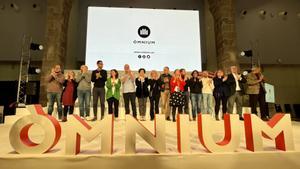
(207, 93)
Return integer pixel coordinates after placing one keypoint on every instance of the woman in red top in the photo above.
(177, 98)
(69, 94)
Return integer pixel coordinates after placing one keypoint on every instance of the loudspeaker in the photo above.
(278, 108)
(297, 110)
(1, 114)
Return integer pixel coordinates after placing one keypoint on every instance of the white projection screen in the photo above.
(143, 38)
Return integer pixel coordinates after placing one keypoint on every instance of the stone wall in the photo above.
(223, 12)
(58, 12)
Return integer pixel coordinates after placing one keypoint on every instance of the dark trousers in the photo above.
(260, 98)
(218, 100)
(69, 109)
(187, 102)
(174, 111)
(130, 97)
(98, 93)
(154, 106)
(113, 106)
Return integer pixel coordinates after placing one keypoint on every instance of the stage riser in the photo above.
(199, 161)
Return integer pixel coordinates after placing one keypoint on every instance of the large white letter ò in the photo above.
(19, 136)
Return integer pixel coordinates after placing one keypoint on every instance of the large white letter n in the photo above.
(156, 140)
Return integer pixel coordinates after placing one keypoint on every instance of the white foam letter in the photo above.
(232, 136)
(77, 128)
(156, 140)
(183, 134)
(279, 128)
(19, 136)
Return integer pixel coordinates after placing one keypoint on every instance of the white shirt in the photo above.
(128, 85)
(208, 85)
(114, 82)
(237, 86)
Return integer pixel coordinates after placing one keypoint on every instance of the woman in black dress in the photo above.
(221, 92)
(154, 94)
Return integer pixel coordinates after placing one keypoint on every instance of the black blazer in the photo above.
(75, 89)
(232, 85)
(154, 88)
(142, 90)
(100, 83)
(195, 86)
(221, 88)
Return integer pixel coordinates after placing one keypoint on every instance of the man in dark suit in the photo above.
(236, 88)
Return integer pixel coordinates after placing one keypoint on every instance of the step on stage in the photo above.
(146, 157)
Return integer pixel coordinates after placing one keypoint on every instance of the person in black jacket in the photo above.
(195, 85)
(99, 77)
(142, 92)
(221, 93)
(236, 91)
(69, 94)
(186, 92)
(154, 94)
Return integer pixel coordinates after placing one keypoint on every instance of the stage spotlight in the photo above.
(279, 61)
(34, 70)
(36, 7)
(283, 13)
(246, 72)
(35, 46)
(262, 12)
(15, 7)
(243, 13)
(247, 53)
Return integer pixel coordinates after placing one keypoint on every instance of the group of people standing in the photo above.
(173, 92)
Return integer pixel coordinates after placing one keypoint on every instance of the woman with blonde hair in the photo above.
(207, 93)
(69, 95)
(221, 92)
(177, 99)
(154, 93)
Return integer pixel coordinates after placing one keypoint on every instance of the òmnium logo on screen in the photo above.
(144, 31)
